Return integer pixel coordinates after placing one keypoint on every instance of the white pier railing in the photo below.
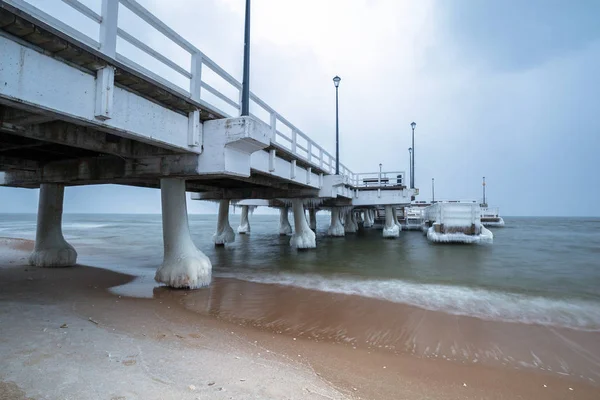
(379, 179)
(111, 35)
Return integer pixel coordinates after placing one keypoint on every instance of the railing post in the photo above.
(194, 124)
(272, 160)
(294, 137)
(309, 151)
(321, 157)
(105, 77)
(108, 27)
(273, 127)
(293, 170)
(196, 81)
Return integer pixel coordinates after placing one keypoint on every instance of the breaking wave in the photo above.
(458, 300)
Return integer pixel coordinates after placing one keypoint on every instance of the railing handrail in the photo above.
(382, 173)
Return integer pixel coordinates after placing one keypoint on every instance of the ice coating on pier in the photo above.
(284, 223)
(184, 266)
(368, 219)
(349, 225)
(494, 224)
(390, 229)
(244, 222)
(312, 218)
(486, 236)
(224, 233)
(51, 249)
(303, 237)
(336, 228)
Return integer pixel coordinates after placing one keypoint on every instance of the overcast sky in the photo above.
(506, 89)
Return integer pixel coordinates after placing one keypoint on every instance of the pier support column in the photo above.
(390, 229)
(284, 224)
(303, 237)
(355, 220)
(336, 228)
(224, 233)
(244, 222)
(51, 249)
(312, 213)
(349, 226)
(396, 218)
(184, 266)
(368, 221)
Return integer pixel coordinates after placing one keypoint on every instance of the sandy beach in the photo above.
(65, 334)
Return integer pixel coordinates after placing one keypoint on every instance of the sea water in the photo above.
(538, 270)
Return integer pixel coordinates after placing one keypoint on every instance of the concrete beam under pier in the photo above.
(84, 138)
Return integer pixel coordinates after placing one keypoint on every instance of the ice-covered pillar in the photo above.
(244, 222)
(312, 213)
(184, 266)
(390, 229)
(368, 222)
(284, 224)
(303, 237)
(396, 218)
(355, 220)
(336, 228)
(224, 233)
(349, 226)
(51, 249)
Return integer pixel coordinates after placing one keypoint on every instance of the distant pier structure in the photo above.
(490, 216)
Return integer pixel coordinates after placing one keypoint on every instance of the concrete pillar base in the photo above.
(391, 229)
(51, 249)
(285, 228)
(244, 222)
(303, 237)
(184, 266)
(224, 233)
(336, 229)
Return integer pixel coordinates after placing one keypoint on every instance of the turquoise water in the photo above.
(540, 270)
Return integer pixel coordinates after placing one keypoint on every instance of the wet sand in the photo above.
(264, 341)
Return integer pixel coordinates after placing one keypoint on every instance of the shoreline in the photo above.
(319, 336)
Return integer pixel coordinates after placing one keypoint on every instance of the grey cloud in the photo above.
(517, 34)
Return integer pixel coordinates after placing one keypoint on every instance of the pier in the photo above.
(75, 111)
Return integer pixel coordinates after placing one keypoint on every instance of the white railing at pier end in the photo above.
(380, 179)
(221, 99)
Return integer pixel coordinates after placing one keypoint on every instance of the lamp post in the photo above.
(484, 202)
(379, 174)
(412, 176)
(432, 190)
(336, 82)
(410, 167)
(246, 76)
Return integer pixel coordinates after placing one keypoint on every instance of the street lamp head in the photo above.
(413, 124)
(410, 149)
(336, 80)
(380, 165)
